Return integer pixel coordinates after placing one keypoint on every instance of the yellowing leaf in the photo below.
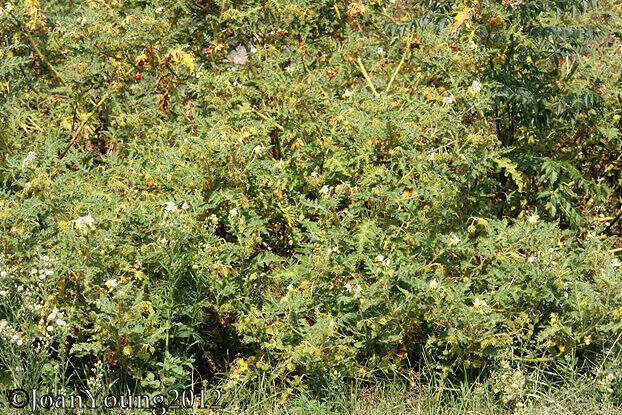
(511, 171)
(463, 16)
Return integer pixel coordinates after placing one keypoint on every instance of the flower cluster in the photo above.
(44, 271)
(12, 335)
(55, 316)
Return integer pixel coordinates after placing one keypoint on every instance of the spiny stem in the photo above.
(399, 66)
(40, 54)
(366, 75)
(74, 138)
(265, 117)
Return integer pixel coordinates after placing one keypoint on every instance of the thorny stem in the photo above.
(366, 75)
(399, 66)
(41, 56)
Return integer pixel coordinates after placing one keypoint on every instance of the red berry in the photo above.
(141, 63)
(138, 76)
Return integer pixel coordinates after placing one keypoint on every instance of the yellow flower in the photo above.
(127, 350)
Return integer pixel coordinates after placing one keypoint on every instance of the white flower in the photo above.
(615, 262)
(233, 212)
(325, 189)
(111, 283)
(53, 314)
(50, 329)
(159, 9)
(314, 174)
(15, 338)
(430, 156)
(448, 100)
(566, 285)
(8, 6)
(532, 219)
(84, 222)
(476, 87)
(592, 235)
(278, 164)
(223, 135)
(290, 287)
(433, 284)
(472, 44)
(61, 322)
(170, 206)
(33, 271)
(3, 324)
(387, 261)
(479, 303)
(531, 259)
(454, 240)
(27, 186)
(29, 157)
(380, 50)
(347, 93)
(257, 148)
(89, 220)
(185, 205)
(3, 273)
(332, 249)
(356, 289)
(4, 293)
(380, 258)
(253, 49)
(83, 21)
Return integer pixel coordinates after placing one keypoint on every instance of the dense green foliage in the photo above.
(314, 189)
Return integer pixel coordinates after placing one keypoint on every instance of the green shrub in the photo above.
(315, 189)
